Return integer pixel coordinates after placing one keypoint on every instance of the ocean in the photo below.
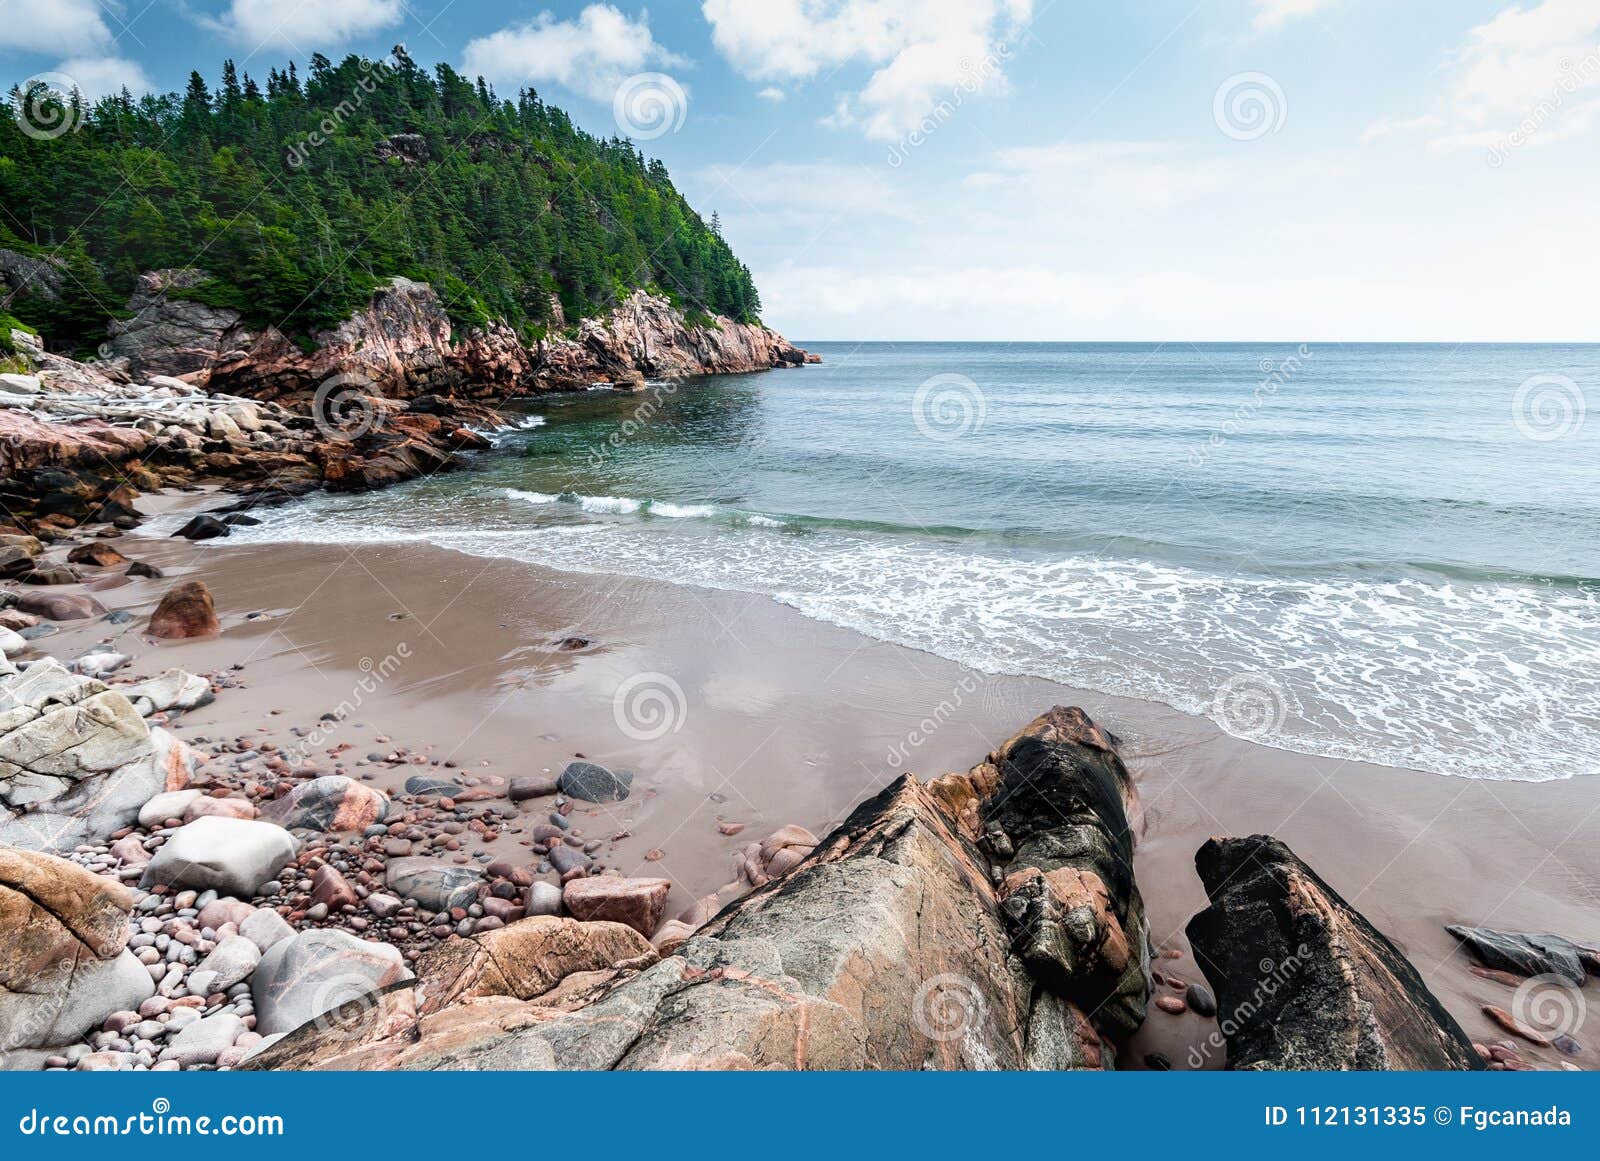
(1388, 553)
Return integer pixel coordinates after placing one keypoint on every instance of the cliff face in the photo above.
(404, 345)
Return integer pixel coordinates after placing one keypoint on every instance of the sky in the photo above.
(1276, 170)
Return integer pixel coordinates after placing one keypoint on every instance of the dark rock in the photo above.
(203, 527)
(140, 568)
(564, 859)
(593, 782)
(1524, 952)
(1306, 982)
(329, 803)
(1156, 1062)
(424, 786)
(52, 574)
(1200, 999)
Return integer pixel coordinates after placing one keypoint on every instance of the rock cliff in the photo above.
(404, 345)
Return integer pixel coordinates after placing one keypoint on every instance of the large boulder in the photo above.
(316, 972)
(888, 947)
(186, 611)
(330, 803)
(1302, 980)
(232, 856)
(76, 759)
(435, 885)
(63, 963)
(638, 903)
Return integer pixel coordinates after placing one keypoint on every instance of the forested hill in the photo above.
(299, 198)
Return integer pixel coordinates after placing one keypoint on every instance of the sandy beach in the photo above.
(733, 710)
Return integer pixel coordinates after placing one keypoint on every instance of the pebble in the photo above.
(1172, 1004)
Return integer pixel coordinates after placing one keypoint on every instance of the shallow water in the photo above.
(1386, 553)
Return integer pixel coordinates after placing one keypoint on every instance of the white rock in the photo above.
(11, 641)
(164, 806)
(174, 689)
(233, 856)
(20, 384)
(234, 958)
(89, 992)
(265, 927)
(204, 1040)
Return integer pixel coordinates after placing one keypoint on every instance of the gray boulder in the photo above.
(204, 1040)
(316, 972)
(232, 961)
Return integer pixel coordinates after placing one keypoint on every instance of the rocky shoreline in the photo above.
(224, 901)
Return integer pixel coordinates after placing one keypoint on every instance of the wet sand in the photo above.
(734, 709)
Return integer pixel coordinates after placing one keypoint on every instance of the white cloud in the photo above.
(920, 51)
(304, 25)
(1529, 76)
(1110, 176)
(100, 76)
(1274, 14)
(591, 55)
(53, 26)
(771, 93)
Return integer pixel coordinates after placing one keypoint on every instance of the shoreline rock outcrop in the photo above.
(889, 946)
(1302, 980)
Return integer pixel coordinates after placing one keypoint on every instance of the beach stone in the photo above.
(208, 807)
(435, 885)
(97, 553)
(329, 803)
(542, 898)
(265, 927)
(1198, 998)
(522, 789)
(315, 972)
(60, 606)
(170, 804)
(422, 785)
(1171, 1004)
(232, 962)
(140, 568)
(639, 903)
(593, 782)
(1525, 953)
(214, 913)
(186, 611)
(567, 859)
(11, 642)
(204, 1040)
(231, 855)
(331, 889)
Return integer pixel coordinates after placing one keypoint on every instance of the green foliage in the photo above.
(7, 344)
(301, 199)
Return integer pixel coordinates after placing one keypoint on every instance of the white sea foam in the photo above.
(1480, 679)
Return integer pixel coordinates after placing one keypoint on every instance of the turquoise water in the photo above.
(1389, 553)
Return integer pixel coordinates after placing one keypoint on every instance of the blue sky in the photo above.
(1029, 169)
